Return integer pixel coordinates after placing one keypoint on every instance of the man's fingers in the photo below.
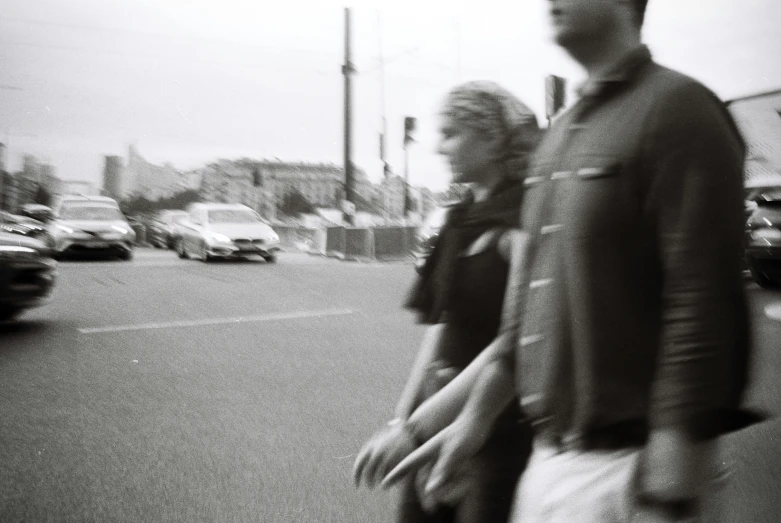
(451, 491)
(360, 463)
(426, 452)
(443, 469)
(379, 470)
(370, 469)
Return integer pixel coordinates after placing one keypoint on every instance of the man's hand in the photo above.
(674, 467)
(674, 473)
(383, 451)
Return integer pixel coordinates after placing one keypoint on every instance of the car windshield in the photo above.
(233, 216)
(81, 212)
(175, 217)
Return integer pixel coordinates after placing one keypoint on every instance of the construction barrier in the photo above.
(317, 240)
(140, 230)
(393, 243)
(335, 242)
(358, 244)
(380, 243)
(288, 236)
(304, 239)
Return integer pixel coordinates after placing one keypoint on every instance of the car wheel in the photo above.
(761, 278)
(271, 258)
(180, 249)
(48, 240)
(126, 255)
(204, 254)
(9, 313)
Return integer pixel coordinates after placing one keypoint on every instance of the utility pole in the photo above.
(347, 71)
(384, 122)
(4, 178)
(409, 129)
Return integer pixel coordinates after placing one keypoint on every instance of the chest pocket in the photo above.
(483, 243)
(595, 197)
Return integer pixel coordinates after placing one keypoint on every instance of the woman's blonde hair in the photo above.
(492, 109)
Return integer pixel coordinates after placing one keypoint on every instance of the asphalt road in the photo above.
(166, 390)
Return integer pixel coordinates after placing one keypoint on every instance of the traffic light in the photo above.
(409, 129)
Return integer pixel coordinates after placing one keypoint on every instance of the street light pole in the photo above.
(347, 71)
(406, 180)
(4, 175)
(409, 129)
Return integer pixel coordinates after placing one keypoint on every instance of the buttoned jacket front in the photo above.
(631, 307)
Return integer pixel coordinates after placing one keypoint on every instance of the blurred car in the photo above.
(15, 224)
(27, 274)
(36, 211)
(222, 230)
(763, 238)
(90, 228)
(427, 235)
(69, 200)
(161, 230)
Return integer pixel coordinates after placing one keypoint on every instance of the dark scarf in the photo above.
(465, 223)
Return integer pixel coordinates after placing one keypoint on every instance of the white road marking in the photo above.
(125, 265)
(774, 311)
(218, 321)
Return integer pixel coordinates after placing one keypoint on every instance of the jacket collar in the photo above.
(623, 71)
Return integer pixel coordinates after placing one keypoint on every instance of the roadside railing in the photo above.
(350, 243)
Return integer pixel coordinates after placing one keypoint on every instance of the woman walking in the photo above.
(486, 135)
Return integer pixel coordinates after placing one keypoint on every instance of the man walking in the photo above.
(631, 330)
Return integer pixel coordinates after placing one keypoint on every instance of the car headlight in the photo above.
(64, 228)
(17, 252)
(119, 229)
(220, 237)
(17, 249)
(273, 237)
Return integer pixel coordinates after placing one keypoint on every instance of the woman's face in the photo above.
(469, 152)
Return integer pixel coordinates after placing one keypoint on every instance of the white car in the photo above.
(94, 227)
(68, 200)
(222, 230)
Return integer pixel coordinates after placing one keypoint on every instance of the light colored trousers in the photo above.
(593, 487)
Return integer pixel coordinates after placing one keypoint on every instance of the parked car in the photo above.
(91, 228)
(78, 199)
(36, 211)
(763, 241)
(27, 274)
(221, 230)
(16, 224)
(427, 235)
(160, 231)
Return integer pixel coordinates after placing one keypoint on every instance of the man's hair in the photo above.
(639, 6)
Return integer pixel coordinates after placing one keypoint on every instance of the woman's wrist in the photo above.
(407, 427)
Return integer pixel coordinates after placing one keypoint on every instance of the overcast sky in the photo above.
(189, 81)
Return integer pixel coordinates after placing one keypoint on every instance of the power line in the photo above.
(169, 36)
(81, 49)
(395, 58)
